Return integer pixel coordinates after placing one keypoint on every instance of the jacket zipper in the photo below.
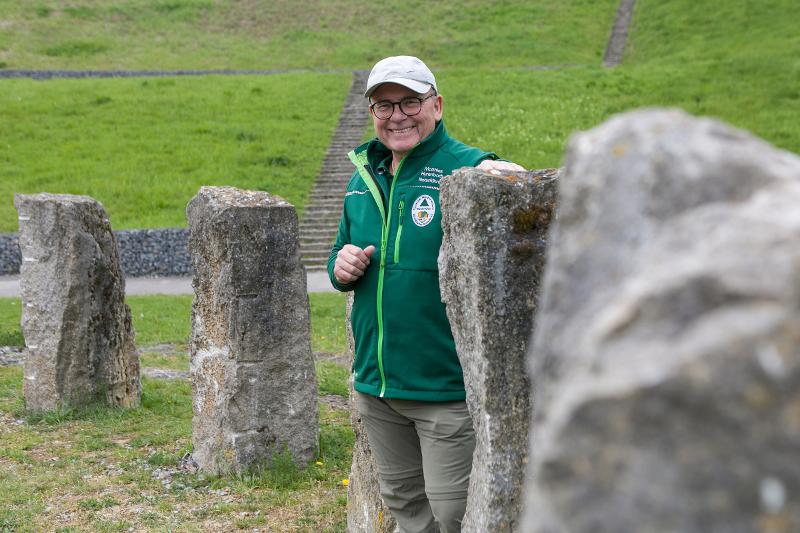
(386, 217)
(384, 242)
(372, 175)
(399, 230)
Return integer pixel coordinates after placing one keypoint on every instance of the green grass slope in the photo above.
(143, 147)
(759, 34)
(738, 61)
(249, 34)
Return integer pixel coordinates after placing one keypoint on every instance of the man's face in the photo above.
(400, 133)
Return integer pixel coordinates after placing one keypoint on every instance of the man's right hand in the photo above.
(351, 263)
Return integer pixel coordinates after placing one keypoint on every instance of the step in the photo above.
(326, 196)
(319, 214)
(310, 223)
(310, 260)
(324, 208)
(318, 238)
(306, 231)
(316, 246)
(321, 210)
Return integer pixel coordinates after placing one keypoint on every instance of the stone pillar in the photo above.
(366, 512)
(253, 378)
(666, 356)
(490, 265)
(77, 327)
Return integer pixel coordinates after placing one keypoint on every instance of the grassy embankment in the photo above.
(736, 61)
(339, 34)
(143, 147)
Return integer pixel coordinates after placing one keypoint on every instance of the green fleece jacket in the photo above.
(403, 344)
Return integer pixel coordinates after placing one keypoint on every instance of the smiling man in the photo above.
(409, 382)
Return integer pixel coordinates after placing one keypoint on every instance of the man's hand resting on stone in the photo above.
(351, 263)
(497, 167)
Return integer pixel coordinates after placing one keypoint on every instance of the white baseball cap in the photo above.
(407, 71)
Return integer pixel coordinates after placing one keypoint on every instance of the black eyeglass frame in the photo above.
(399, 104)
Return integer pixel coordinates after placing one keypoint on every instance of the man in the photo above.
(409, 382)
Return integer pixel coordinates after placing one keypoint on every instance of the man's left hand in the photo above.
(497, 167)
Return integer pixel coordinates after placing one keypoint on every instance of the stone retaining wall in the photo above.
(9, 254)
(149, 252)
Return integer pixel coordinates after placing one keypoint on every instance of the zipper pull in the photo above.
(402, 204)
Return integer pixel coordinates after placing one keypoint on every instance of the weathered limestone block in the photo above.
(253, 379)
(76, 324)
(366, 512)
(666, 353)
(490, 265)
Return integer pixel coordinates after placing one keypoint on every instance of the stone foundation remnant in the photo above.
(490, 266)
(366, 512)
(253, 379)
(77, 327)
(666, 353)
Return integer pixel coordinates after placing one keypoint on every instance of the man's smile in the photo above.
(401, 130)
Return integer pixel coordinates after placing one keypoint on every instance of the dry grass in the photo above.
(113, 470)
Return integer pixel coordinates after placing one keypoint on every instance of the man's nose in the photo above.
(400, 114)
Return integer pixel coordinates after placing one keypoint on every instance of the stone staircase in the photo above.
(321, 217)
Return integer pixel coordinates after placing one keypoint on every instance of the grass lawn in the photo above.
(110, 470)
(528, 116)
(10, 312)
(204, 34)
(167, 319)
(118, 469)
(736, 61)
(143, 147)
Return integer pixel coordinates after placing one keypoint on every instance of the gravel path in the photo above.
(316, 281)
(78, 74)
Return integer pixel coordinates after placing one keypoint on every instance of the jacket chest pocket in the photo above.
(419, 232)
(401, 208)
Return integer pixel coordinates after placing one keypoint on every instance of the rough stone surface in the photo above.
(80, 344)
(253, 379)
(366, 512)
(490, 265)
(666, 354)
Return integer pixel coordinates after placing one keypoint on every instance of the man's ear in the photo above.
(438, 107)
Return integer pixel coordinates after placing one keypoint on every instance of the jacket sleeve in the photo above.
(488, 155)
(342, 238)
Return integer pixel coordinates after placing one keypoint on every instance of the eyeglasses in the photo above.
(409, 106)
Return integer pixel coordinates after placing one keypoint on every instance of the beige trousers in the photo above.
(423, 451)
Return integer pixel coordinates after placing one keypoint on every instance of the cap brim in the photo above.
(418, 87)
